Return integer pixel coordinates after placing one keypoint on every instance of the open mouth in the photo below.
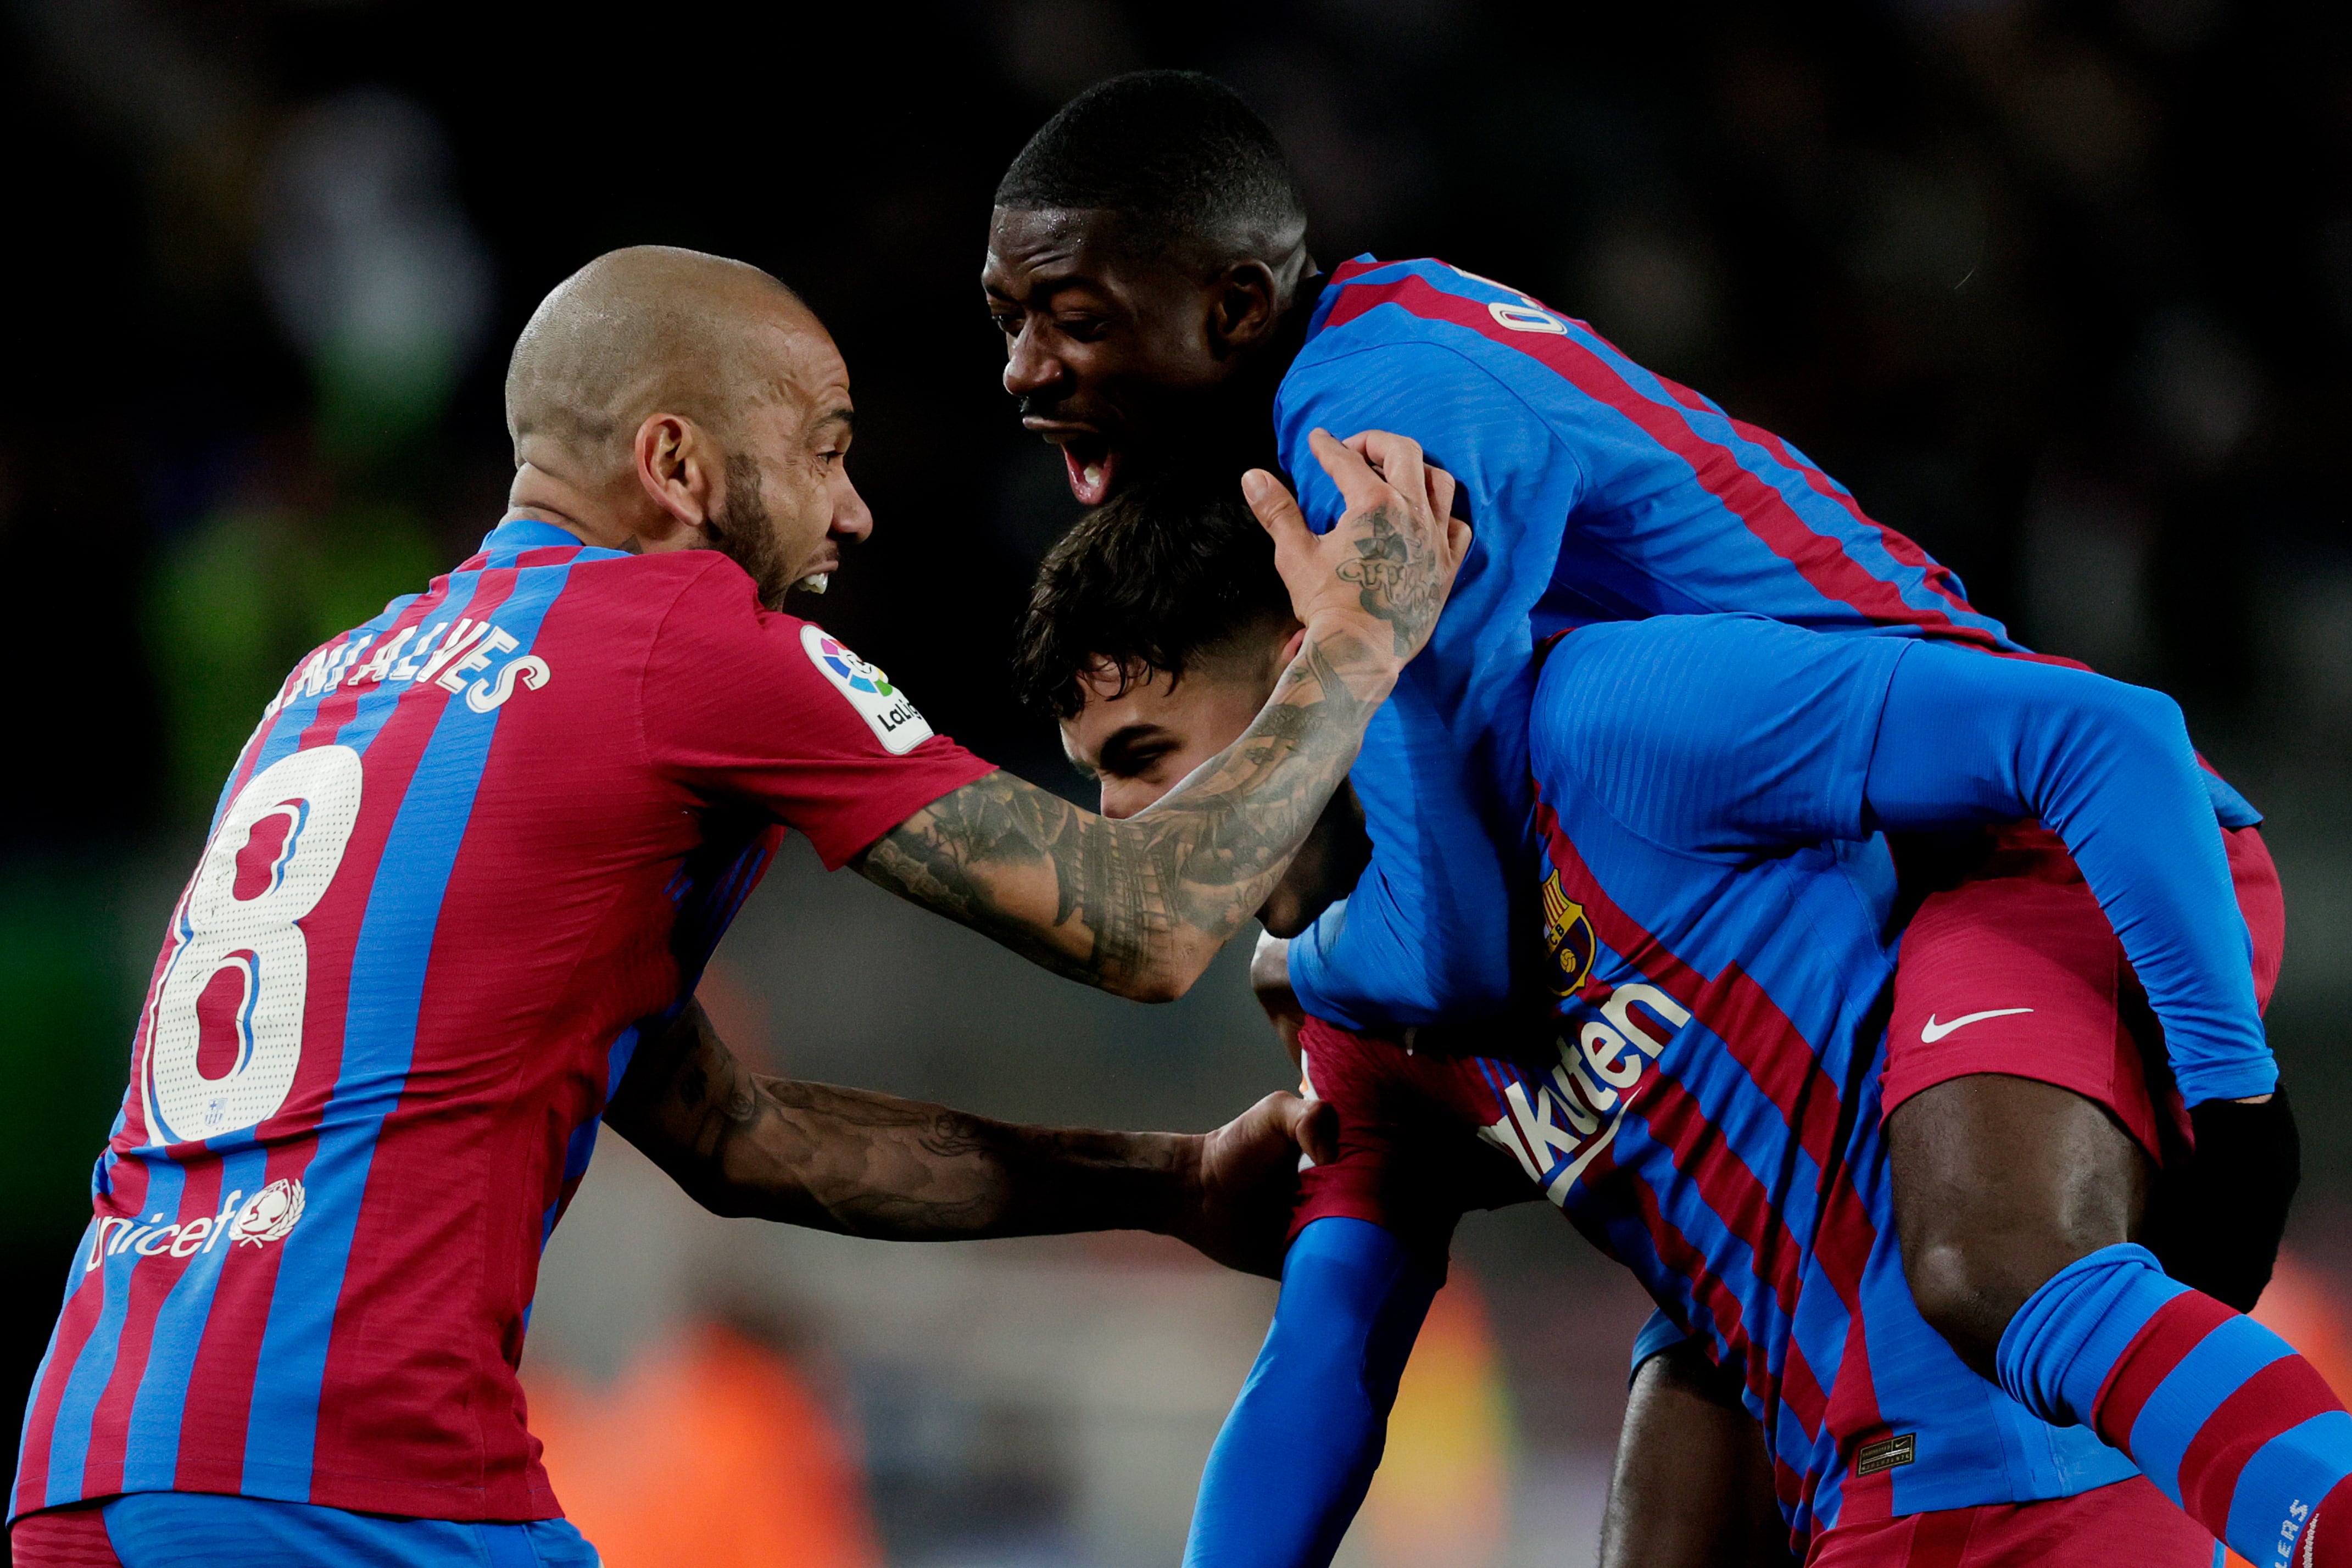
(1090, 462)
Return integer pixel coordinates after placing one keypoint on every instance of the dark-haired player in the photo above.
(1147, 263)
(462, 883)
(1720, 915)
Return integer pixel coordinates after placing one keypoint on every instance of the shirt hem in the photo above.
(403, 1500)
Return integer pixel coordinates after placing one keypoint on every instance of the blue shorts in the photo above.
(200, 1530)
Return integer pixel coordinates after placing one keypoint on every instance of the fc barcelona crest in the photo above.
(1567, 938)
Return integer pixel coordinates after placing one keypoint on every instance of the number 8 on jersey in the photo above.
(242, 969)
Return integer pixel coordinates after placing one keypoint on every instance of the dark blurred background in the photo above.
(2062, 290)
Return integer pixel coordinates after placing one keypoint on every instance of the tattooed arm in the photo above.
(863, 1164)
(1139, 906)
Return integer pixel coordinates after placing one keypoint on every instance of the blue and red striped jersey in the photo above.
(1717, 933)
(1598, 491)
(474, 849)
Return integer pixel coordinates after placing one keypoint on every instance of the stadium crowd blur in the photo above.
(2062, 290)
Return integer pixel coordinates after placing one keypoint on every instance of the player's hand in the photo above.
(1237, 1204)
(1383, 573)
(2218, 1215)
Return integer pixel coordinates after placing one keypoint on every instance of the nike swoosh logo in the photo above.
(1931, 1031)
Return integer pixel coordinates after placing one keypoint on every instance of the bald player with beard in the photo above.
(455, 899)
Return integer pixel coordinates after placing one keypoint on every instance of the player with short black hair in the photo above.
(1122, 592)
(1602, 492)
(1704, 1103)
(1137, 253)
(1176, 152)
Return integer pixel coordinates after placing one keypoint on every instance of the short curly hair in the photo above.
(1155, 579)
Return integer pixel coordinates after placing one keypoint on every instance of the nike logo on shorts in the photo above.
(1931, 1031)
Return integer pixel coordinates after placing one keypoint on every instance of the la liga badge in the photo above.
(883, 706)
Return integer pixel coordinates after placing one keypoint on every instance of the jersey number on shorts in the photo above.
(228, 1017)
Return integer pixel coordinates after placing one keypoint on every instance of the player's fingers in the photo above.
(1398, 459)
(1442, 486)
(1317, 1132)
(1359, 485)
(1276, 508)
(1310, 1124)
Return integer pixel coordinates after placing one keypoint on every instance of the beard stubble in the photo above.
(745, 533)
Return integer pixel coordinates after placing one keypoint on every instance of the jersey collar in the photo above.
(510, 539)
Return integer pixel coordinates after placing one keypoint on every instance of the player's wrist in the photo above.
(1353, 650)
(1183, 1199)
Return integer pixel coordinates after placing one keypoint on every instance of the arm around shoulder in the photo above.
(1139, 906)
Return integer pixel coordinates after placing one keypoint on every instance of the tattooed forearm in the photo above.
(872, 1165)
(1139, 906)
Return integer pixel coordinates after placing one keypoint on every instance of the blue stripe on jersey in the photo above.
(152, 1458)
(580, 1148)
(2217, 1368)
(284, 734)
(387, 983)
(94, 1367)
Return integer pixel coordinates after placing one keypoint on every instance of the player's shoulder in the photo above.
(1430, 341)
(1673, 692)
(1368, 302)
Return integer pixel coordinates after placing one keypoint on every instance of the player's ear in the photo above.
(1244, 306)
(678, 468)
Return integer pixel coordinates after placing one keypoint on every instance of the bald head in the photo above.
(645, 329)
(664, 399)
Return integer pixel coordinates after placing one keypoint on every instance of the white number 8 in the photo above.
(315, 795)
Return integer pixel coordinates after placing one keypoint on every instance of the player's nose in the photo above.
(1029, 370)
(852, 519)
(1123, 797)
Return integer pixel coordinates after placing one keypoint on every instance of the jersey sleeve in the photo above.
(1296, 1455)
(1430, 933)
(2109, 768)
(1410, 1159)
(1715, 734)
(742, 703)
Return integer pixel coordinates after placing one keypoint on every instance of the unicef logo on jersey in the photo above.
(270, 1214)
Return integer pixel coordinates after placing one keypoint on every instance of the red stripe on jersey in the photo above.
(1820, 560)
(75, 1325)
(1726, 1186)
(1938, 577)
(2175, 1328)
(85, 1309)
(426, 1164)
(1775, 1055)
(219, 1404)
(1679, 1253)
(1783, 1064)
(1854, 1415)
(63, 1538)
(152, 1280)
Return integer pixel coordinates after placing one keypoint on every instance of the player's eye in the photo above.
(1081, 329)
(1135, 762)
(1006, 321)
